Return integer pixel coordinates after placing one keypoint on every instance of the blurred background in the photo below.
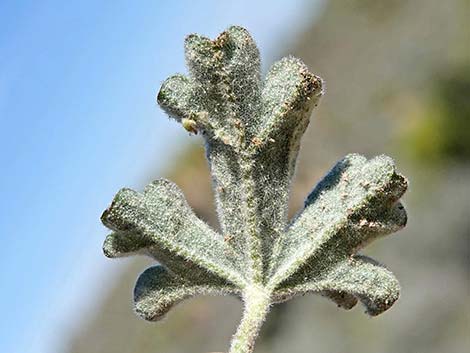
(79, 121)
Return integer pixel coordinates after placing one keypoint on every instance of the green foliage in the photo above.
(442, 130)
(252, 131)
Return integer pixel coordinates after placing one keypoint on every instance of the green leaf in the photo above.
(361, 277)
(352, 205)
(162, 217)
(252, 131)
(157, 291)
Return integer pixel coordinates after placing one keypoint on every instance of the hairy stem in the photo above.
(257, 302)
(251, 216)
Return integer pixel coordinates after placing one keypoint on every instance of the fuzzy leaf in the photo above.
(289, 94)
(161, 220)
(355, 203)
(361, 277)
(157, 291)
(252, 131)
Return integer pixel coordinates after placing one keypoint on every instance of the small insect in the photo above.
(189, 125)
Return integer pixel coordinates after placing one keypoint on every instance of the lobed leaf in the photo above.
(354, 204)
(252, 129)
(361, 277)
(290, 92)
(157, 291)
(162, 218)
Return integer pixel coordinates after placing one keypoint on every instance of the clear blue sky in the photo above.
(78, 121)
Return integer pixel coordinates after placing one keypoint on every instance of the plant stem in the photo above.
(250, 210)
(257, 303)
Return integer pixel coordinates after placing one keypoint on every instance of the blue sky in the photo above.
(78, 121)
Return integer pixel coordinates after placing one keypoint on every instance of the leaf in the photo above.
(289, 94)
(352, 205)
(252, 131)
(157, 291)
(361, 277)
(160, 218)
